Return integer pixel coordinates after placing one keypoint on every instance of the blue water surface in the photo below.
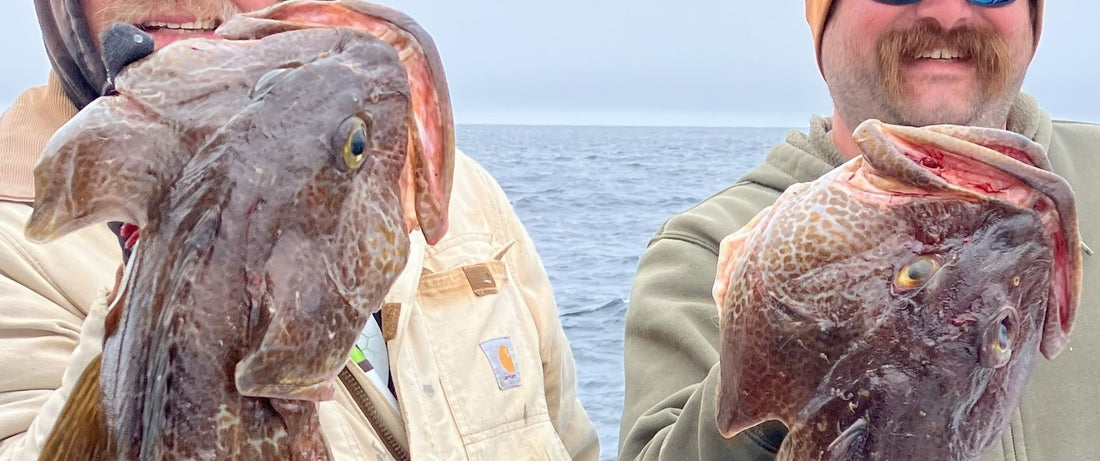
(591, 197)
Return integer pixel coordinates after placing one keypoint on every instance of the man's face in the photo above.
(931, 62)
(167, 20)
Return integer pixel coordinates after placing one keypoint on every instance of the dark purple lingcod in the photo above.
(274, 178)
(893, 308)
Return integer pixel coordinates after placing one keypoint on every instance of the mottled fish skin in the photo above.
(267, 179)
(893, 308)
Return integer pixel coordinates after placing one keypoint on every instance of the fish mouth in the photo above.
(945, 160)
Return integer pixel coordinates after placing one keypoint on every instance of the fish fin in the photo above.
(731, 416)
(81, 430)
(430, 187)
(89, 174)
(731, 413)
(729, 251)
(302, 328)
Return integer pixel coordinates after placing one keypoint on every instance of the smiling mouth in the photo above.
(186, 27)
(941, 54)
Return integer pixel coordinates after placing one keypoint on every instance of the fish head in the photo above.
(184, 96)
(326, 144)
(427, 177)
(1003, 172)
(900, 300)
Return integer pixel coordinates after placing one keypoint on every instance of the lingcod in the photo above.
(893, 309)
(273, 178)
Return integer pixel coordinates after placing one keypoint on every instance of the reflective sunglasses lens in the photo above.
(976, 2)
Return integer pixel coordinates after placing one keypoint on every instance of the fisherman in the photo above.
(911, 62)
(53, 296)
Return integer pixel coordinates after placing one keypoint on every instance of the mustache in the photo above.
(982, 47)
(137, 11)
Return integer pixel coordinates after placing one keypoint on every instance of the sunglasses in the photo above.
(989, 3)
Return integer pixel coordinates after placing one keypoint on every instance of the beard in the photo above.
(881, 91)
(136, 11)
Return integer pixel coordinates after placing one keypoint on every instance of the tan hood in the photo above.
(71, 49)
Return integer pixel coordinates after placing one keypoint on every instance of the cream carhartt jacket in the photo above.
(480, 289)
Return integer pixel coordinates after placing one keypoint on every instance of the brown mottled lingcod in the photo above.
(893, 308)
(274, 177)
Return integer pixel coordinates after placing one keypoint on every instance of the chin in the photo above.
(938, 110)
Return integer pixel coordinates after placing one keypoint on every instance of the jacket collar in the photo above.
(25, 128)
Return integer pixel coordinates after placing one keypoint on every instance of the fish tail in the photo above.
(81, 430)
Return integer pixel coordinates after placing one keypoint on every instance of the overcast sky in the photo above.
(643, 62)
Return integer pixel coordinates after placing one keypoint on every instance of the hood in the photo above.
(71, 48)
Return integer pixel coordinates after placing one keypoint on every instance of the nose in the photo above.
(949, 13)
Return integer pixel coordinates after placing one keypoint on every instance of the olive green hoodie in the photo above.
(671, 351)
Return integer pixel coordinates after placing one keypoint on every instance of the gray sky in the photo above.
(643, 62)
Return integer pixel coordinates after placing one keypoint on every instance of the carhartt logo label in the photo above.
(501, 357)
(506, 359)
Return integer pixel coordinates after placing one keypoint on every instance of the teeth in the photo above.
(206, 25)
(939, 53)
(388, 35)
(405, 53)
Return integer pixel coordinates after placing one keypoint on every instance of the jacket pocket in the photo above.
(486, 348)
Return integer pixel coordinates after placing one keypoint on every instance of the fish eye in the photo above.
(355, 142)
(917, 272)
(997, 338)
(1002, 336)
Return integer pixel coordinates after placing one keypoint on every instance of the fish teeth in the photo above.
(405, 53)
(388, 35)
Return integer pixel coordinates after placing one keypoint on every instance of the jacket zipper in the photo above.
(375, 420)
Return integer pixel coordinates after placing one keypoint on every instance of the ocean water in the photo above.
(591, 197)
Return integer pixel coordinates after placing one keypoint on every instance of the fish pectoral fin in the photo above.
(81, 430)
(91, 172)
(278, 367)
(732, 417)
(729, 252)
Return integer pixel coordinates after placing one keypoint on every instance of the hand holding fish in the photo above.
(893, 308)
